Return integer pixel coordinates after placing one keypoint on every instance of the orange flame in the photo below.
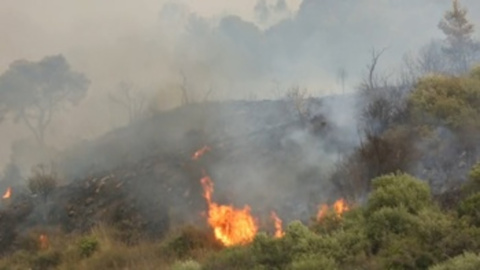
(322, 211)
(43, 240)
(8, 193)
(340, 207)
(231, 226)
(200, 152)
(279, 233)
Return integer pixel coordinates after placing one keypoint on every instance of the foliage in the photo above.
(87, 246)
(188, 240)
(187, 265)
(470, 209)
(460, 48)
(466, 261)
(399, 190)
(34, 91)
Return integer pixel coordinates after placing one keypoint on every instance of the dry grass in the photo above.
(106, 252)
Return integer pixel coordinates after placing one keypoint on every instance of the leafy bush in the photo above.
(235, 258)
(187, 265)
(470, 209)
(314, 262)
(467, 261)
(399, 190)
(88, 245)
(183, 243)
(46, 260)
(473, 184)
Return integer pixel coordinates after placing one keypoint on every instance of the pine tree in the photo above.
(459, 47)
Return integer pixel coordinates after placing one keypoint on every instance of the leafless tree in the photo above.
(134, 102)
(184, 89)
(342, 77)
(298, 98)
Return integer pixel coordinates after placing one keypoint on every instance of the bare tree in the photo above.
(134, 102)
(184, 89)
(342, 77)
(372, 80)
(298, 98)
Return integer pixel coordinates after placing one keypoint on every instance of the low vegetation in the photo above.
(399, 227)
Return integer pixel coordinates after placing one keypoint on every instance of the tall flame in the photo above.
(340, 206)
(199, 153)
(8, 193)
(279, 233)
(231, 226)
(43, 240)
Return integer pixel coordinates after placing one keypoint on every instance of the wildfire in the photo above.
(8, 193)
(231, 226)
(200, 152)
(340, 207)
(43, 240)
(279, 233)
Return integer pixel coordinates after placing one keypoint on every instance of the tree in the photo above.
(33, 91)
(342, 77)
(459, 47)
(134, 102)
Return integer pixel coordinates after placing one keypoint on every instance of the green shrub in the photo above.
(467, 261)
(386, 222)
(88, 245)
(399, 190)
(270, 252)
(404, 252)
(183, 243)
(187, 265)
(473, 184)
(235, 258)
(46, 260)
(470, 209)
(313, 262)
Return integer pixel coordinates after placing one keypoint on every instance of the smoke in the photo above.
(178, 51)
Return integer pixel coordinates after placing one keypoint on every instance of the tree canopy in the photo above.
(33, 91)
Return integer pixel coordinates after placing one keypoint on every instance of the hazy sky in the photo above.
(115, 40)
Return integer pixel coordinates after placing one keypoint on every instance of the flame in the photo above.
(8, 193)
(322, 211)
(340, 206)
(200, 152)
(279, 233)
(43, 240)
(231, 226)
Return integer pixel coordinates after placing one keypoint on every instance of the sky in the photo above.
(143, 42)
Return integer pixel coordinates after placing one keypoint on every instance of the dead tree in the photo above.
(134, 102)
